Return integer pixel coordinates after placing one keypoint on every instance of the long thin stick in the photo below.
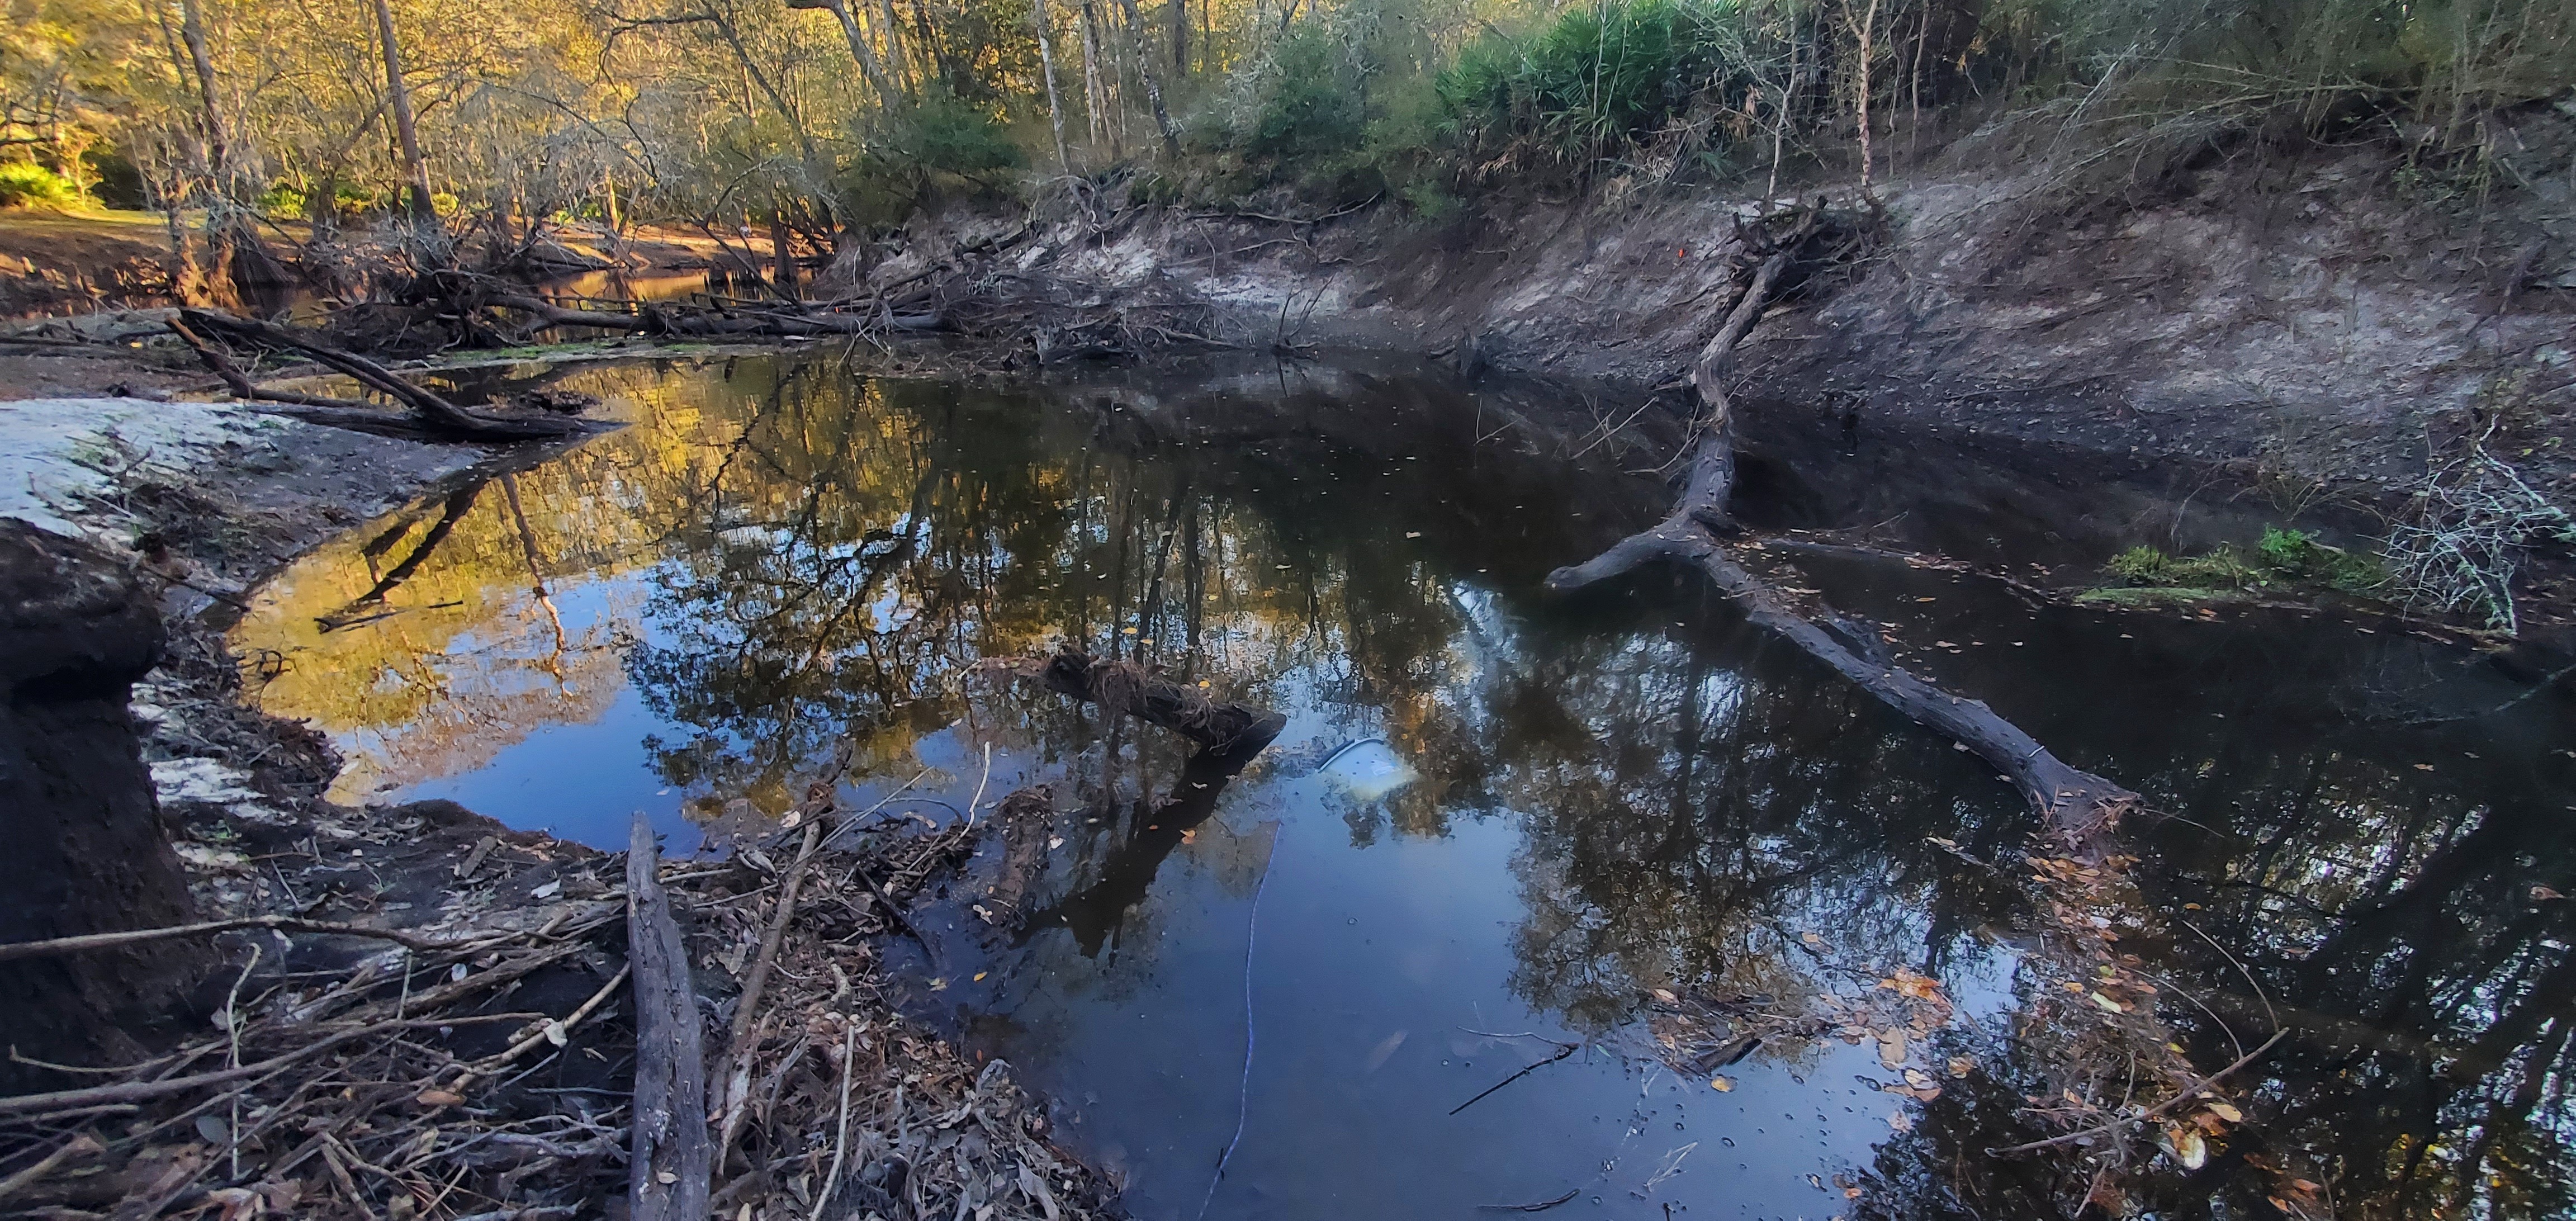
(1561, 1053)
(2194, 1090)
(840, 1140)
(137, 1091)
(108, 941)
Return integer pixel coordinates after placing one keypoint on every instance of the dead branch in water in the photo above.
(1238, 730)
(428, 412)
(2076, 807)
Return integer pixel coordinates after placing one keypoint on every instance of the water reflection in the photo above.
(1490, 814)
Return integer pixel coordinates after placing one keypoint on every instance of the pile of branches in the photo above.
(497, 1066)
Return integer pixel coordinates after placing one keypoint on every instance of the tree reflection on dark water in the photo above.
(2362, 838)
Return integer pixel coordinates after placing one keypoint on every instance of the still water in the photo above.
(1501, 830)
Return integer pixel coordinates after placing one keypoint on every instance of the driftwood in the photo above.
(2076, 806)
(1229, 730)
(782, 320)
(667, 1171)
(428, 413)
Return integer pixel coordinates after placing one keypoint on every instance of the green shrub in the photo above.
(281, 199)
(24, 184)
(1597, 77)
(1311, 103)
(941, 134)
(2141, 565)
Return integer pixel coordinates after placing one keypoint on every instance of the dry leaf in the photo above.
(1960, 1066)
(2226, 1112)
(440, 1098)
(1723, 1085)
(2189, 1149)
(1900, 1121)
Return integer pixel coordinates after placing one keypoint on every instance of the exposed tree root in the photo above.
(2078, 808)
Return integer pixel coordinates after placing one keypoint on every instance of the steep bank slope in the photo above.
(2273, 336)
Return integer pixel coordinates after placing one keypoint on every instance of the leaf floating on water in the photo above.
(1666, 996)
(1811, 939)
(1918, 1078)
(1900, 1121)
(1960, 1066)
(2543, 894)
(2189, 1148)
(1891, 1047)
(1723, 1085)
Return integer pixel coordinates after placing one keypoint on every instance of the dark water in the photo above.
(1497, 824)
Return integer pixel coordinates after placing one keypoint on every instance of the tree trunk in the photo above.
(1046, 62)
(860, 51)
(1179, 16)
(782, 253)
(87, 853)
(415, 167)
(1153, 87)
(1095, 96)
(192, 31)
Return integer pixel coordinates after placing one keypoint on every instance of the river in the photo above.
(1501, 830)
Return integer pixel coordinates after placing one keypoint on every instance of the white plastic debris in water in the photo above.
(1367, 769)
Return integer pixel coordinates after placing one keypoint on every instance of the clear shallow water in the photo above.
(1540, 813)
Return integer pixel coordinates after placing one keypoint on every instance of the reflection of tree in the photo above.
(831, 559)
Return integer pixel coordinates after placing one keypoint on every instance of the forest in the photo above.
(303, 120)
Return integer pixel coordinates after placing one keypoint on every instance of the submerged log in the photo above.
(672, 1154)
(2077, 807)
(1229, 730)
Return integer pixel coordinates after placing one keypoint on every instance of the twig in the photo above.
(108, 941)
(979, 785)
(137, 1091)
(2194, 1090)
(841, 1139)
(1561, 1053)
(1540, 1207)
(483, 1068)
(78, 1146)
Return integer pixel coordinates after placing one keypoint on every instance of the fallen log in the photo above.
(2076, 807)
(432, 414)
(773, 320)
(672, 1155)
(1236, 731)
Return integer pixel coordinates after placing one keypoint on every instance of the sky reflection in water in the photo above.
(1539, 813)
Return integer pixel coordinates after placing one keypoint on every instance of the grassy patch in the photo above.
(2285, 561)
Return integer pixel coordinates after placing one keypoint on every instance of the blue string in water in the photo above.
(1243, 1092)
